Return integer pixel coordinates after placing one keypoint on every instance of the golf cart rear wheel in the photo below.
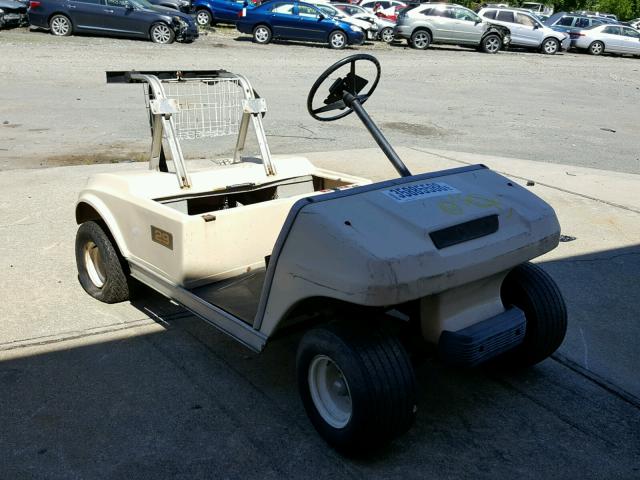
(101, 270)
(357, 386)
(532, 290)
(492, 43)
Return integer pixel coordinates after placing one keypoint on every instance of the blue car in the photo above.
(298, 21)
(124, 18)
(209, 12)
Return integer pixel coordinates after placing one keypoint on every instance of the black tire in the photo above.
(379, 381)
(596, 48)
(162, 33)
(386, 35)
(531, 289)
(420, 39)
(108, 281)
(338, 40)
(204, 17)
(491, 43)
(550, 46)
(262, 34)
(60, 25)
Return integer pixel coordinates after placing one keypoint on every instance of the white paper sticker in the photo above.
(419, 191)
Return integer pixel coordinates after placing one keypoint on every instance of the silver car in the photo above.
(526, 30)
(447, 23)
(609, 39)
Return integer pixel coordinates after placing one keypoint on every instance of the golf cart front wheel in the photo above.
(101, 270)
(532, 290)
(357, 386)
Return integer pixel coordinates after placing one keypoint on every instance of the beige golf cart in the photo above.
(260, 243)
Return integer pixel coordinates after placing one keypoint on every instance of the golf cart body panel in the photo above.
(183, 236)
(374, 245)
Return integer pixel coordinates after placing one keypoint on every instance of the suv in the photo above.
(526, 30)
(452, 24)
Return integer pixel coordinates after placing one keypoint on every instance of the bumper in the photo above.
(565, 44)
(37, 19)
(188, 34)
(12, 18)
(402, 31)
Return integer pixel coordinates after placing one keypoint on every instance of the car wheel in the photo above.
(533, 291)
(60, 26)
(550, 46)
(386, 34)
(491, 44)
(101, 270)
(420, 39)
(596, 48)
(162, 33)
(204, 18)
(356, 384)
(262, 34)
(337, 40)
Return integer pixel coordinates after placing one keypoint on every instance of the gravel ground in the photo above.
(55, 107)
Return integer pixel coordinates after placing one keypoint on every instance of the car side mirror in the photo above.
(478, 20)
(321, 17)
(536, 26)
(129, 7)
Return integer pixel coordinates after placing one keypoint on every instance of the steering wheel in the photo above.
(350, 86)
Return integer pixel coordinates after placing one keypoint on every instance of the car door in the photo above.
(507, 18)
(612, 38)
(529, 29)
(631, 40)
(466, 26)
(312, 24)
(125, 17)
(283, 22)
(87, 14)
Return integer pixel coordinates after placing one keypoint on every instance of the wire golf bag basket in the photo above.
(192, 105)
(206, 108)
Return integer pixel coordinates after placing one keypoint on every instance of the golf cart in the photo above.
(257, 244)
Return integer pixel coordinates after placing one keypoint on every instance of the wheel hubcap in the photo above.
(421, 40)
(202, 18)
(262, 35)
(550, 46)
(60, 26)
(161, 34)
(596, 48)
(94, 264)
(387, 35)
(338, 40)
(329, 391)
(493, 44)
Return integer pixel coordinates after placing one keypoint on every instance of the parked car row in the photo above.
(337, 24)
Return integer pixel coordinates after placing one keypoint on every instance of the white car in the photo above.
(526, 30)
(609, 39)
(370, 29)
(386, 7)
(385, 27)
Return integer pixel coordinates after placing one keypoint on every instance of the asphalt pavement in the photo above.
(145, 390)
